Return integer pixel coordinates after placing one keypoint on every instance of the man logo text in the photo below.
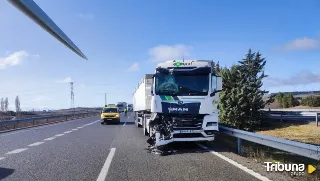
(178, 109)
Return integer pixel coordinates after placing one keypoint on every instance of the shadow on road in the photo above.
(181, 148)
(5, 172)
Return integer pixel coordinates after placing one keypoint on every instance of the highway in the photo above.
(84, 149)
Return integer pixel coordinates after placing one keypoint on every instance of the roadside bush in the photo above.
(313, 101)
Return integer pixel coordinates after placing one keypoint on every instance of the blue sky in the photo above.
(125, 39)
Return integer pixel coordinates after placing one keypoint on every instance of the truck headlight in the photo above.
(117, 115)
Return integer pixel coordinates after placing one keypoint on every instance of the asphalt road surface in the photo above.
(84, 149)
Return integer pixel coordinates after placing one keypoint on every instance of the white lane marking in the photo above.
(16, 151)
(49, 139)
(1, 158)
(66, 132)
(104, 171)
(36, 144)
(74, 129)
(79, 127)
(249, 171)
(59, 135)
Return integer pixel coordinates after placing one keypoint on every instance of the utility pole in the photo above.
(72, 95)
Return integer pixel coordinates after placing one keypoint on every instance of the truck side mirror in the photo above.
(214, 93)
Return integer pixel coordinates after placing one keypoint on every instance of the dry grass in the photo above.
(306, 133)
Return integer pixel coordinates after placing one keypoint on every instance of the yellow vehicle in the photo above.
(110, 114)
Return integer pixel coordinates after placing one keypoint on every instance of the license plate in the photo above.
(186, 131)
(109, 119)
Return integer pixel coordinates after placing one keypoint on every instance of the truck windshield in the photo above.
(172, 84)
(109, 110)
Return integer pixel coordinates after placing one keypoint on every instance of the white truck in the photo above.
(178, 103)
(121, 106)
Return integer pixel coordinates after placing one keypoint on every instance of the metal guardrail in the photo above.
(287, 115)
(33, 119)
(303, 149)
(293, 110)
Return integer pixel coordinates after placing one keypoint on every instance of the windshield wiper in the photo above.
(197, 93)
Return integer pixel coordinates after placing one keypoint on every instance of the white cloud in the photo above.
(134, 67)
(13, 59)
(302, 78)
(86, 16)
(303, 44)
(65, 80)
(169, 52)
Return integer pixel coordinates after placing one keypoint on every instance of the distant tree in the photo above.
(312, 101)
(2, 105)
(6, 104)
(17, 104)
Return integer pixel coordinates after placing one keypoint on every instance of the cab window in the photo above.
(110, 110)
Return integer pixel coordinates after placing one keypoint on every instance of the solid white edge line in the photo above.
(66, 132)
(59, 135)
(1, 158)
(36, 144)
(245, 169)
(16, 151)
(104, 171)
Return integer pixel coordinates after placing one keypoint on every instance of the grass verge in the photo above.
(261, 154)
(302, 132)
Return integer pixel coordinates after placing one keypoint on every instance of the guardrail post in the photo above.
(281, 117)
(239, 145)
(33, 122)
(14, 124)
(317, 123)
(47, 120)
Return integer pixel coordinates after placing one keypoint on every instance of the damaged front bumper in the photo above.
(183, 136)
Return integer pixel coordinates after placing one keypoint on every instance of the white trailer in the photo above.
(142, 99)
(179, 102)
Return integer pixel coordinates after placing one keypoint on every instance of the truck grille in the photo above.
(109, 116)
(187, 124)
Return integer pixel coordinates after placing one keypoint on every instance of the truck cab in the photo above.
(184, 101)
